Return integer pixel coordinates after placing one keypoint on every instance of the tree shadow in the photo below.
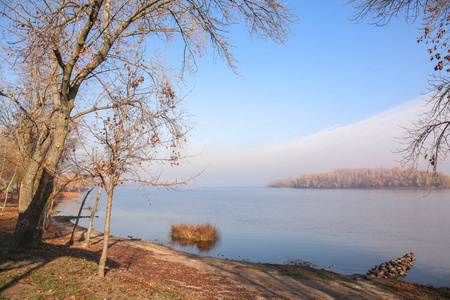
(25, 262)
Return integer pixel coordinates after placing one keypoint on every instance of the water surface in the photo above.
(349, 231)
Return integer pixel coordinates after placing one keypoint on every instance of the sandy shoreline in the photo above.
(256, 280)
(144, 270)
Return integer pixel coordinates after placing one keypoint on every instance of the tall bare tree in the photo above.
(57, 50)
(428, 138)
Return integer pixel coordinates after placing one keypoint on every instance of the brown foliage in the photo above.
(367, 178)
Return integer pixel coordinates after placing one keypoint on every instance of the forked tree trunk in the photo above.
(91, 218)
(28, 231)
(102, 262)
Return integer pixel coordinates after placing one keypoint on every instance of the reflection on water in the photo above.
(202, 246)
(353, 230)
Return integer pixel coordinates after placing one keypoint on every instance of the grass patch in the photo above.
(63, 275)
(68, 277)
(348, 284)
(294, 273)
(305, 269)
(194, 232)
(60, 277)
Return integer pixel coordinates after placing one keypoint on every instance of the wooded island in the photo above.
(367, 178)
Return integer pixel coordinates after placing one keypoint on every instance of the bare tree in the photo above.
(428, 138)
(91, 218)
(146, 126)
(70, 242)
(381, 12)
(8, 187)
(65, 48)
(10, 160)
(11, 170)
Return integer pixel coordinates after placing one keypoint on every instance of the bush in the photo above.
(194, 232)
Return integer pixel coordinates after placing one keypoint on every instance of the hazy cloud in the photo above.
(368, 143)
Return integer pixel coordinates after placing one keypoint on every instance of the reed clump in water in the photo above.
(194, 232)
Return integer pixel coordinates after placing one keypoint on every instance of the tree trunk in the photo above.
(30, 176)
(91, 218)
(102, 262)
(46, 157)
(28, 234)
(49, 207)
(70, 242)
(7, 190)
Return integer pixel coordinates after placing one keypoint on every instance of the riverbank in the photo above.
(138, 269)
(62, 195)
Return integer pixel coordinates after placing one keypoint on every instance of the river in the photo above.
(346, 231)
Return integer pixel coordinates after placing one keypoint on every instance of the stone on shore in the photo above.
(393, 269)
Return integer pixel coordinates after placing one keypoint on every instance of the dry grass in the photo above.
(194, 232)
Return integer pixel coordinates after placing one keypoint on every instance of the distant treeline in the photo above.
(366, 178)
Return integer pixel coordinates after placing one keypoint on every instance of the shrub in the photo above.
(194, 232)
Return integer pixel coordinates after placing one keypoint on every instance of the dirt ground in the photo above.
(144, 270)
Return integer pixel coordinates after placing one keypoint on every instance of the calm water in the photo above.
(349, 230)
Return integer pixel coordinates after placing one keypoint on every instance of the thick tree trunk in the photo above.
(32, 170)
(46, 157)
(28, 233)
(102, 262)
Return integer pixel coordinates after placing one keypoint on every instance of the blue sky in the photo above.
(332, 78)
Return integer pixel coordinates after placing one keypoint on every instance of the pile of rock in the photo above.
(395, 268)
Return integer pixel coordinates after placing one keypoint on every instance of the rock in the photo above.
(392, 269)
